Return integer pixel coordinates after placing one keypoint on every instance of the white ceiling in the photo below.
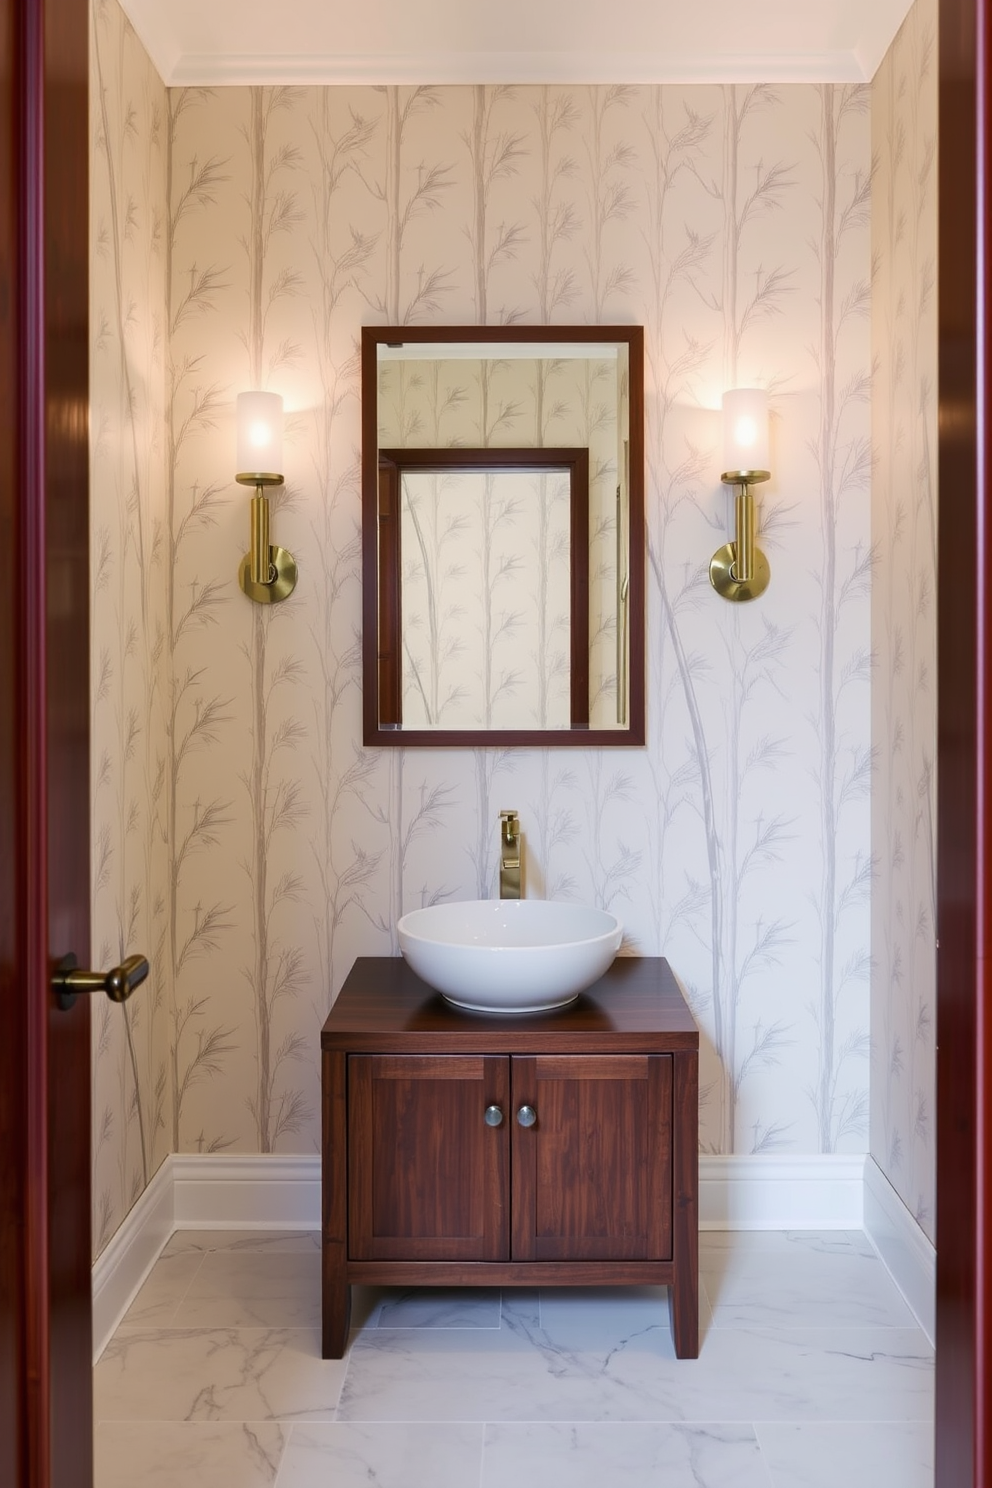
(553, 41)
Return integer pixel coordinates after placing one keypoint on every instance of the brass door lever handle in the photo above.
(118, 983)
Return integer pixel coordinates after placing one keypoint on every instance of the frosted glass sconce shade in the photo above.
(745, 433)
(267, 573)
(739, 570)
(259, 435)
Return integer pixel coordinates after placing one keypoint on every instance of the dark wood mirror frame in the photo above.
(380, 580)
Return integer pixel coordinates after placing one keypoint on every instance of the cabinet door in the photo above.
(427, 1176)
(592, 1177)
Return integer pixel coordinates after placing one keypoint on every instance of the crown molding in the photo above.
(637, 42)
(558, 68)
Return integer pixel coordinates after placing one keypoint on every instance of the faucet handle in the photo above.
(509, 855)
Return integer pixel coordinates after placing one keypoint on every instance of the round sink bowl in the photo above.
(509, 955)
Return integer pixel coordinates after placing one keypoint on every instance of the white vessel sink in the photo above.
(509, 955)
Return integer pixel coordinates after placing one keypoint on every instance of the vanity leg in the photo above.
(336, 1313)
(684, 1292)
(335, 1288)
(683, 1302)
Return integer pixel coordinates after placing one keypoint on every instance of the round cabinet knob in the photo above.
(526, 1116)
(493, 1116)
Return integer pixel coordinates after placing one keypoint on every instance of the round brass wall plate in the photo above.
(280, 586)
(724, 582)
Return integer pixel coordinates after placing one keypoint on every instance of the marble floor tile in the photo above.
(366, 1304)
(626, 1308)
(575, 1370)
(787, 1242)
(578, 1455)
(142, 1454)
(520, 1307)
(254, 1241)
(388, 1456)
(441, 1307)
(235, 1374)
(248, 1290)
(618, 1309)
(159, 1297)
(215, 1377)
(800, 1285)
(856, 1454)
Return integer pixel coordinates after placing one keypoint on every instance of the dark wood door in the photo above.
(592, 1176)
(45, 1327)
(964, 752)
(427, 1175)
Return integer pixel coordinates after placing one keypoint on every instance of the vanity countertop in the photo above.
(634, 1001)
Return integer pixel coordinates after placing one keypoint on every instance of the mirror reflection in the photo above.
(502, 501)
(489, 557)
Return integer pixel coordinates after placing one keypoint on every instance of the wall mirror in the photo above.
(503, 535)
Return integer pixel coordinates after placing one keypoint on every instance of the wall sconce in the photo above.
(739, 570)
(267, 573)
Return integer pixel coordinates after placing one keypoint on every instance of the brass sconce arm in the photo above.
(739, 570)
(267, 573)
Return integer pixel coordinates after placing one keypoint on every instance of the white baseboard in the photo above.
(121, 1268)
(904, 1248)
(735, 1193)
(781, 1192)
(206, 1192)
(250, 1191)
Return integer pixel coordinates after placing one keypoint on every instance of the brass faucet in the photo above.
(509, 855)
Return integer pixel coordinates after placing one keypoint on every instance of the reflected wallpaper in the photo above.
(245, 838)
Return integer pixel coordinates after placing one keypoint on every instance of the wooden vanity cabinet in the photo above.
(431, 1177)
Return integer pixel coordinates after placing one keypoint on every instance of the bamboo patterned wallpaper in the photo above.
(130, 553)
(904, 620)
(245, 836)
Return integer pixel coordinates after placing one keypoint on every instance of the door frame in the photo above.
(964, 755)
(963, 1449)
(46, 1415)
